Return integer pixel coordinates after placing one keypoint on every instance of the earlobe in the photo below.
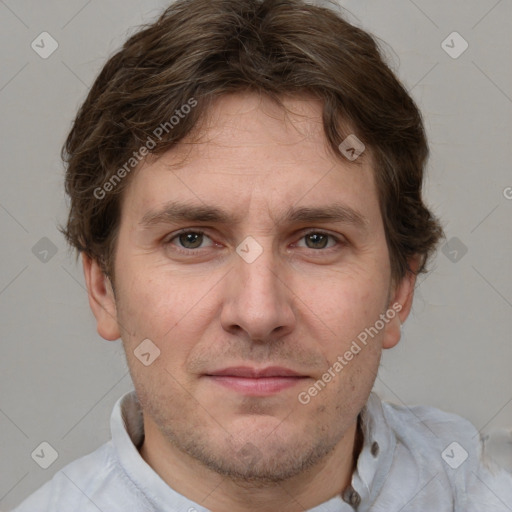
(101, 299)
(401, 303)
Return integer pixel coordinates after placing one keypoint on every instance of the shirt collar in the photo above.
(376, 455)
(372, 469)
(127, 428)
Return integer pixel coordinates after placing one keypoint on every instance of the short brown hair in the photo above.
(198, 50)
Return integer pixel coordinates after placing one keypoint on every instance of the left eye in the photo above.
(318, 240)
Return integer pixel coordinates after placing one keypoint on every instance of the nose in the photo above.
(257, 301)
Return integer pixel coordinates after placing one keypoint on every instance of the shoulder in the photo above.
(431, 426)
(452, 449)
(80, 486)
(445, 441)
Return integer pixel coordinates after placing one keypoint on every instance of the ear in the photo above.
(401, 303)
(101, 299)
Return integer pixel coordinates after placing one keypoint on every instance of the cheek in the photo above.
(170, 309)
(152, 300)
(146, 308)
(345, 303)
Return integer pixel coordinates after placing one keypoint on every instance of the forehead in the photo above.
(249, 150)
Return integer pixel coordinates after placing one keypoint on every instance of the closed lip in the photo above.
(249, 372)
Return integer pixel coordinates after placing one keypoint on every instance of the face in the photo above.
(252, 259)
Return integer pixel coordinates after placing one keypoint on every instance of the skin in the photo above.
(299, 305)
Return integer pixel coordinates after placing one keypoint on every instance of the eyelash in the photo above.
(191, 252)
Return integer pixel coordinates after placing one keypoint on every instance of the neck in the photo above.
(329, 478)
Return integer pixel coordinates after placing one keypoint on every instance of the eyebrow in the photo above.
(174, 212)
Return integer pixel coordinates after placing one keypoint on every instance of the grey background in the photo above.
(59, 379)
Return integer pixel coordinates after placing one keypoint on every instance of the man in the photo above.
(245, 180)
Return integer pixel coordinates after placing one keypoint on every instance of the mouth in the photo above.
(256, 382)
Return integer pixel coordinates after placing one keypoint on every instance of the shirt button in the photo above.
(375, 449)
(352, 497)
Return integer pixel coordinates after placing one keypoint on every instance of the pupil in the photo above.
(315, 238)
(191, 239)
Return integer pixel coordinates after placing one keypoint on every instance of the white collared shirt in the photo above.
(412, 459)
